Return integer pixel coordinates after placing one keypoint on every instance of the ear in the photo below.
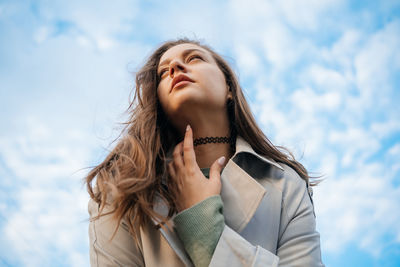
(229, 95)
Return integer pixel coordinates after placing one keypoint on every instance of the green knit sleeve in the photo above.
(200, 228)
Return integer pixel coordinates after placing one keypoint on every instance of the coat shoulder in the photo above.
(292, 186)
(288, 181)
(295, 190)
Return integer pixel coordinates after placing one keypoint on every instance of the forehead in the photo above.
(177, 50)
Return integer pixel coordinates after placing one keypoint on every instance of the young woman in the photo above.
(193, 181)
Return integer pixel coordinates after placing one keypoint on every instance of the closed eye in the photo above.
(194, 56)
(161, 73)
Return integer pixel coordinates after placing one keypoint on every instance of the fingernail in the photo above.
(221, 160)
(187, 127)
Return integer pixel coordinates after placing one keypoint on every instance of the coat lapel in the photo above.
(243, 147)
(241, 195)
(169, 233)
(176, 244)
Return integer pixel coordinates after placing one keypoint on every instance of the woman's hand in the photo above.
(193, 186)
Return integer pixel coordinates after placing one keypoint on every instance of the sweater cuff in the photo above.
(200, 228)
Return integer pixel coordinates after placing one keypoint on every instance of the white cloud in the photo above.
(307, 14)
(279, 45)
(51, 218)
(383, 129)
(308, 101)
(356, 143)
(362, 205)
(376, 62)
(395, 150)
(50, 203)
(327, 79)
(247, 59)
(42, 34)
(344, 49)
(99, 20)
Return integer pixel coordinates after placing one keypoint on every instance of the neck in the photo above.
(214, 125)
(206, 154)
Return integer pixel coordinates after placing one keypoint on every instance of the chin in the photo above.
(185, 94)
(183, 103)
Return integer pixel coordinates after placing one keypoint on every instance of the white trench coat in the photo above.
(269, 221)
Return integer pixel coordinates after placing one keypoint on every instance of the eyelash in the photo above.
(194, 56)
(189, 59)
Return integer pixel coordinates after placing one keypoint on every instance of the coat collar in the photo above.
(243, 146)
(240, 193)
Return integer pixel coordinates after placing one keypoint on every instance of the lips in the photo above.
(178, 79)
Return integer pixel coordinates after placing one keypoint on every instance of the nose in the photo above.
(176, 65)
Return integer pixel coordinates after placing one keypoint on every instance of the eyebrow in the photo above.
(184, 54)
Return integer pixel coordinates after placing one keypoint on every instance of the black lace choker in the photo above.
(205, 140)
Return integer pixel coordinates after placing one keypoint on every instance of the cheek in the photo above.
(162, 93)
(216, 81)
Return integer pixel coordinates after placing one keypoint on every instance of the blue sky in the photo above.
(322, 78)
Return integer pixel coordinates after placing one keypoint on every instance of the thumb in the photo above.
(216, 167)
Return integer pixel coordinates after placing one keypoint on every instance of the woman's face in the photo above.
(206, 91)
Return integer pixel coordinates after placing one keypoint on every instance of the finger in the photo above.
(171, 169)
(172, 173)
(189, 157)
(177, 155)
(215, 169)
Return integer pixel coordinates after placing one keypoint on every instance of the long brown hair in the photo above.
(135, 171)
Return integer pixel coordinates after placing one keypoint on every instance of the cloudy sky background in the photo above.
(322, 78)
